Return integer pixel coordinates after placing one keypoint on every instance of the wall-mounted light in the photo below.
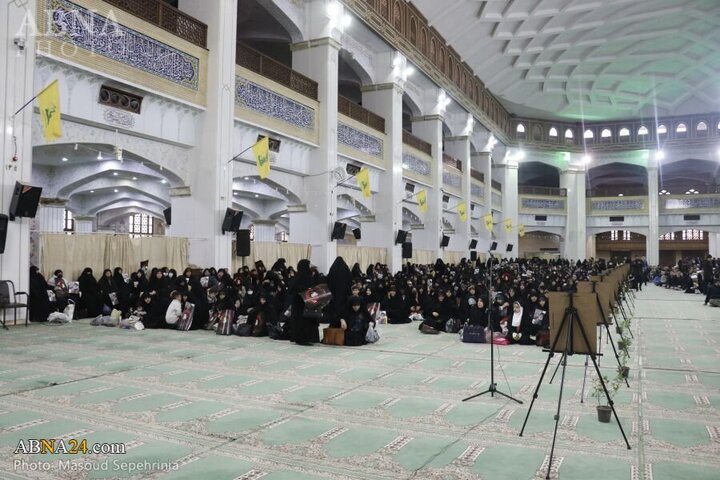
(659, 155)
(99, 157)
(586, 159)
(64, 159)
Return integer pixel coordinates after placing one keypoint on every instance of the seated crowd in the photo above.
(442, 297)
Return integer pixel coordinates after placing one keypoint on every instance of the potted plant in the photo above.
(604, 410)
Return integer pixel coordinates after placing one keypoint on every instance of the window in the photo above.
(693, 235)
(642, 130)
(606, 133)
(282, 236)
(626, 235)
(616, 235)
(701, 127)
(662, 130)
(624, 132)
(252, 232)
(553, 132)
(140, 224)
(613, 235)
(681, 128)
(520, 128)
(668, 236)
(569, 133)
(68, 221)
(589, 134)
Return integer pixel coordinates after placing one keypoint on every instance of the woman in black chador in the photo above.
(339, 281)
(303, 331)
(38, 300)
(90, 293)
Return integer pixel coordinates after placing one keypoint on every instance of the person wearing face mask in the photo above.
(108, 291)
(90, 300)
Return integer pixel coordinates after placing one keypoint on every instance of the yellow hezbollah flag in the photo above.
(521, 230)
(422, 201)
(49, 103)
(262, 156)
(462, 211)
(488, 222)
(363, 180)
(508, 225)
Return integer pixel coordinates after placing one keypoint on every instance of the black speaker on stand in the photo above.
(168, 216)
(232, 220)
(473, 244)
(407, 250)
(3, 231)
(401, 237)
(445, 241)
(242, 243)
(357, 233)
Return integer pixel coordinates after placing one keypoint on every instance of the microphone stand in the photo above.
(492, 389)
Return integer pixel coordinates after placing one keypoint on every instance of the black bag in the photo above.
(277, 332)
(452, 325)
(243, 330)
(473, 334)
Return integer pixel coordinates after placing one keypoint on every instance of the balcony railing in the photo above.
(166, 17)
(616, 191)
(453, 162)
(363, 115)
(477, 175)
(251, 59)
(533, 190)
(415, 142)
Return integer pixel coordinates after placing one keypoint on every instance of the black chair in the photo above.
(8, 300)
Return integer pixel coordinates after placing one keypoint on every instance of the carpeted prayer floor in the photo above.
(244, 408)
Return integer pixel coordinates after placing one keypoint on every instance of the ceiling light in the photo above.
(687, 193)
(134, 178)
(521, 154)
(9, 130)
(257, 196)
(621, 195)
(115, 190)
(115, 174)
(76, 147)
(408, 71)
(346, 20)
(99, 156)
(234, 194)
(163, 181)
(64, 159)
(246, 178)
(659, 155)
(92, 191)
(586, 159)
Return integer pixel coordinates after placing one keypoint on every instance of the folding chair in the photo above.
(8, 300)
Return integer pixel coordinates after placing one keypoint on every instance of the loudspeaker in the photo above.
(24, 201)
(242, 243)
(338, 231)
(357, 233)
(509, 248)
(168, 216)
(3, 231)
(493, 246)
(407, 250)
(473, 256)
(473, 244)
(445, 241)
(401, 237)
(232, 220)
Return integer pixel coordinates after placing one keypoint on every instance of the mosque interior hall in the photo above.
(293, 239)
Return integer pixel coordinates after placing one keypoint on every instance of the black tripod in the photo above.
(572, 314)
(492, 389)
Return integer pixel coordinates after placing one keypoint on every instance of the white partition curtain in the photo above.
(364, 256)
(455, 257)
(423, 257)
(269, 252)
(72, 253)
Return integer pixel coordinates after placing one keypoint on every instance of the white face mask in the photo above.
(250, 292)
(170, 275)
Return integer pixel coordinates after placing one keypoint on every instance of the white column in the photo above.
(386, 101)
(508, 171)
(51, 215)
(482, 162)
(429, 128)
(652, 241)
(573, 180)
(16, 88)
(200, 216)
(591, 247)
(714, 244)
(318, 59)
(264, 230)
(84, 224)
(459, 148)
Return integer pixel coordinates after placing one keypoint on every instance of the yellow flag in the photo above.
(49, 103)
(462, 211)
(363, 180)
(521, 230)
(508, 225)
(422, 201)
(262, 156)
(488, 222)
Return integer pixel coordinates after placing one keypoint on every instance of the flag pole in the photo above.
(31, 100)
(248, 148)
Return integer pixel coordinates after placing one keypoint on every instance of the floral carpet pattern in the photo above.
(195, 405)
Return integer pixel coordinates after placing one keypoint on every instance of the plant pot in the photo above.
(625, 372)
(604, 413)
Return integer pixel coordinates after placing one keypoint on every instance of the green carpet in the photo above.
(206, 407)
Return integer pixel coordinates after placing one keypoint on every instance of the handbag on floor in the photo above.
(473, 334)
(333, 336)
(372, 335)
